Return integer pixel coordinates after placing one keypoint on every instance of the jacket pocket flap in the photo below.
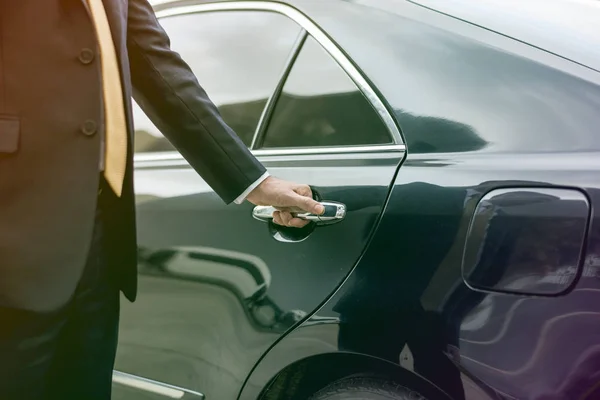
(10, 129)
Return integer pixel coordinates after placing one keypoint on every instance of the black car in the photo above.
(457, 146)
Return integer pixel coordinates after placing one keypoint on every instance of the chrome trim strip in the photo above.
(177, 159)
(267, 113)
(329, 150)
(311, 28)
(148, 385)
(157, 156)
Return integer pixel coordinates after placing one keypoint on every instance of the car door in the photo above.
(219, 284)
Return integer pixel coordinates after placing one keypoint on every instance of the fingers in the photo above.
(285, 218)
(305, 200)
(308, 204)
(277, 218)
(298, 223)
(299, 198)
(303, 190)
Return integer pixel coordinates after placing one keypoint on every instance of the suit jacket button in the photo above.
(89, 128)
(86, 56)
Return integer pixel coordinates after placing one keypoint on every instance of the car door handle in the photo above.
(334, 212)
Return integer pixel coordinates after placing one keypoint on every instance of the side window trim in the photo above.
(309, 28)
(263, 122)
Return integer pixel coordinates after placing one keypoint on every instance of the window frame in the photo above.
(263, 125)
(307, 28)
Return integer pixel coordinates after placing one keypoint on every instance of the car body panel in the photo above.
(568, 28)
(218, 287)
(493, 345)
(479, 112)
(531, 120)
(196, 330)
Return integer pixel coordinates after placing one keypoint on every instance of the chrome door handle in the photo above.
(334, 212)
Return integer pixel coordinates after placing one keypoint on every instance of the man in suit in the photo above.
(68, 69)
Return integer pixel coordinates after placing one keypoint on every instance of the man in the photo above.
(67, 230)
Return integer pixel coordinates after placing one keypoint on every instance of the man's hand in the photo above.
(287, 197)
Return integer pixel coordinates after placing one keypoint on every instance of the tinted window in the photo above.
(321, 106)
(238, 57)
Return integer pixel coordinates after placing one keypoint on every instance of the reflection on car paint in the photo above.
(246, 276)
(384, 291)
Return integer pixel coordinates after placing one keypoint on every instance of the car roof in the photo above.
(567, 28)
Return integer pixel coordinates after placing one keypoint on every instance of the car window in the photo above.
(321, 106)
(238, 58)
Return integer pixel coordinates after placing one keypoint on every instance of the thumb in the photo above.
(309, 205)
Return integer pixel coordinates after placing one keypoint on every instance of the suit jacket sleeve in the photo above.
(167, 90)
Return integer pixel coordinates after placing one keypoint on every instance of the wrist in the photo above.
(255, 194)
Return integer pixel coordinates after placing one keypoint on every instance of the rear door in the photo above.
(218, 286)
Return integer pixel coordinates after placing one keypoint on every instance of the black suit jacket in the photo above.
(51, 115)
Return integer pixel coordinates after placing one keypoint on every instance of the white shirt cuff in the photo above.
(250, 188)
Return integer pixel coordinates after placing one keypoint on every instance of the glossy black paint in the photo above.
(531, 122)
(204, 328)
(526, 241)
(226, 310)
